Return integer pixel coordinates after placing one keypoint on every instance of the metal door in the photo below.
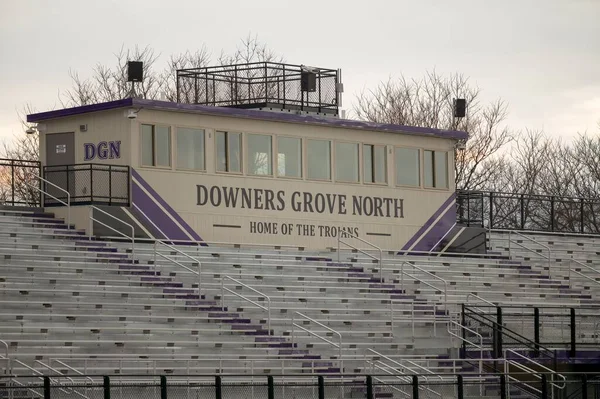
(60, 151)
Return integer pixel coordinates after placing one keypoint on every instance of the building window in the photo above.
(407, 167)
(260, 154)
(318, 159)
(346, 162)
(374, 163)
(289, 157)
(156, 145)
(190, 149)
(436, 169)
(229, 155)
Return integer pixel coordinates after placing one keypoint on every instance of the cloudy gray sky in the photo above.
(541, 56)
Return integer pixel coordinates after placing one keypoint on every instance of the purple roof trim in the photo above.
(250, 114)
(126, 102)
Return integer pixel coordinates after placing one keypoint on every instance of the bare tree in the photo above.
(19, 168)
(428, 102)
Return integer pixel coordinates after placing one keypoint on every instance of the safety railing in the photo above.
(70, 389)
(12, 177)
(538, 367)
(472, 295)
(587, 267)
(157, 254)
(463, 338)
(511, 241)
(262, 295)
(397, 370)
(67, 203)
(457, 386)
(78, 372)
(93, 220)
(445, 282)
(341, 241)
(337, 345)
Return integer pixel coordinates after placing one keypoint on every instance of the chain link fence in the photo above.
(87, 184)
(459, 386)
(508, 211)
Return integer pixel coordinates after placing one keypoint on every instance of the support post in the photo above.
(270, 387)
(415, 387)
(502, 386)
(369, 387)
(522, 212)
(464, 332)
(46, 387)
(163, 387)
(490, 224)
(573, 351)
(552, 213)
(584, 387)
(498, 332)
(106, 387)
(460, 388)
(322, 387)
(581, 218)
(544, 386)
(536, 331)
(218, 388)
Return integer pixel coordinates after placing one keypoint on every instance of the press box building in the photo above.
(253, 153)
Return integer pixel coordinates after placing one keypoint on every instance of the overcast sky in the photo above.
(541, 56)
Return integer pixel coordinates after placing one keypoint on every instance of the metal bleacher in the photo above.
(72, 304)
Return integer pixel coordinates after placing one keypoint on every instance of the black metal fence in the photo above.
(528, 212)
(17, 182)
(547, 334)
(538, 385)
(487, 331)
(267, 84)
(87, 184)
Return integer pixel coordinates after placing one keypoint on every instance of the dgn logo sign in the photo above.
(104, 150)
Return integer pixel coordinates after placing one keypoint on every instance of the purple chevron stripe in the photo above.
(172, 213)
(430, 221)
(159, 217)
(437, 231)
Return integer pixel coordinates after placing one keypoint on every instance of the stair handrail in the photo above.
(445, 282)
(198, 272)
(339, 345)
(480, 346)
(267, 308)
(67, 204)
(6, 357)
(36, 372)
(63, 376)
(470, 294)
(581, 274)
(404, 367)
(537, 365)
(548, 258)
(26, 387)
(5, 346)
(405, 380)
(91, 227)
(72, 369)
(341, 241)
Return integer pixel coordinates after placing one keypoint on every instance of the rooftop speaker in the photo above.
(308, 81)
(135, 71)
(460, 107)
